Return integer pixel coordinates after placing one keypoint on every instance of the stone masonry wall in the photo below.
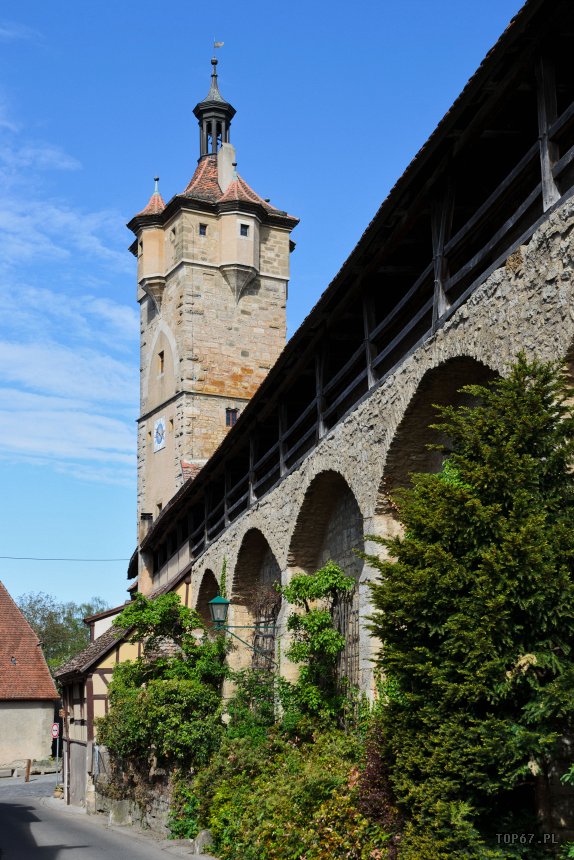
(217, 348)
(527, 304)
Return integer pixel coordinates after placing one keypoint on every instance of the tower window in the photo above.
(231, 416)
(244, 229)
(160, 361)
(203, 229)
(140, 247)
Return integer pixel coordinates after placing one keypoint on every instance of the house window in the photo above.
(231, 416)
(244, 229)
(203, 229)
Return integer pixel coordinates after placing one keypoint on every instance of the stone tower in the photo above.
(213, 269)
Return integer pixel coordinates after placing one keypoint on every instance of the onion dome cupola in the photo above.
(214, 115)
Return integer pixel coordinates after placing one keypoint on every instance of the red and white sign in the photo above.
(55, 730)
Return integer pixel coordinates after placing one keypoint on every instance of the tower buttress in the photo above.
(213, 270)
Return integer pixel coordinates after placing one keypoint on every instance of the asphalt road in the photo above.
(35, 826)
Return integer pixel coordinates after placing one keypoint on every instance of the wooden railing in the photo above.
(458, 266)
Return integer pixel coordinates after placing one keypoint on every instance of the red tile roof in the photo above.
(240, 190)
(204, 185)
(24, 673)
(155, 205)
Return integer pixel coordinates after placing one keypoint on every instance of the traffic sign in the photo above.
(55, 730)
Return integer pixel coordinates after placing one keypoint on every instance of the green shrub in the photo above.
(263, 798)
(475, 612)
(167, 703)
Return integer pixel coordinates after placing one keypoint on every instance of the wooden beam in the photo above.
(403, 302)
(413, 321)
(522, 239)
(252, 498)
(494, 241)
(206, 495)
(562, 122)
(441, 225)
(282, 421)
(368, 326)
(484, 210)
(320, 358)
(547, 114)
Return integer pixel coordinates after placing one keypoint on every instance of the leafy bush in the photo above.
(262, 799)
(166, 704)
(184, 806)
(251, 710)
(316, 697)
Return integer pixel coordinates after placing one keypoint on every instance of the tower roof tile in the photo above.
(155, 205)
(204, 185)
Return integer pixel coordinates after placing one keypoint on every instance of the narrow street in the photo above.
(34, 826)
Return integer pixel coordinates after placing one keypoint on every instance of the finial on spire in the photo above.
(156, 185)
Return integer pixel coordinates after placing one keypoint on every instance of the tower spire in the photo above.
(214, 116)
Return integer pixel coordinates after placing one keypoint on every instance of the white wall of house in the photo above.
(25, 728)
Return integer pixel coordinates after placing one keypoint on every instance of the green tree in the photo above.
(167, 703)
(59, 626)
(475, 611)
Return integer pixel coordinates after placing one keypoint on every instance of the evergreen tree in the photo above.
(475, 612)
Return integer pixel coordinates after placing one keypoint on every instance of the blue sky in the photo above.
(333, 100)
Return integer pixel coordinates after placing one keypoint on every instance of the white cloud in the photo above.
(11, 31)
(34, 229)
(67, 435)
(40, 156)
(111, 325)
(55, 368)
(68, 351)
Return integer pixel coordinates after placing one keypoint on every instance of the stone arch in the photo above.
(408, 451)
(208, 589)
(329, 526)
(255, 602)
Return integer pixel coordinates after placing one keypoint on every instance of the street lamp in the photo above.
(218, 609)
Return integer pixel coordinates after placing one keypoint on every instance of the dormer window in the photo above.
(244, 229)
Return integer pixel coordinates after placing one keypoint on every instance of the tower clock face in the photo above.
(159, 434)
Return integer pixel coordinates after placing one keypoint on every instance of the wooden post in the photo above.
(27, 771)
(282, 419)
(226, 482)
(252, 498)
(441, 224)
(206, 515)
(319, 382)
(368, 326)
(547, 113)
